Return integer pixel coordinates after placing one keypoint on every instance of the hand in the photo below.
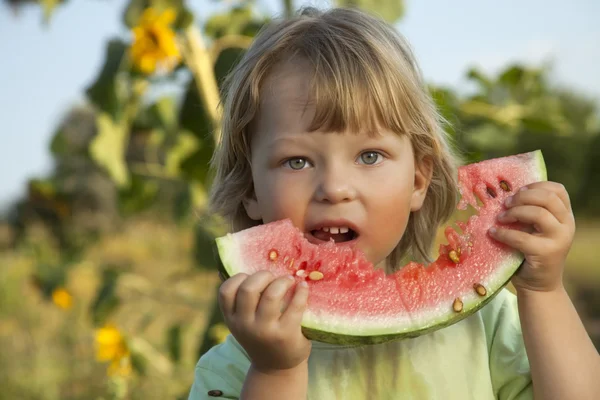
(252, 308)
(546, 209)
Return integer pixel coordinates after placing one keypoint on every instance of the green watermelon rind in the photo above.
(312, 328)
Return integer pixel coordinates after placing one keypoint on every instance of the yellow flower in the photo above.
(62, 298)
(110, 344)
(154, 44)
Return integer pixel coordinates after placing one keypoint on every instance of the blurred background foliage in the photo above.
(107, 270)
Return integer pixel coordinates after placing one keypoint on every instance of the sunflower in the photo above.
(154, 45)
(111, 346)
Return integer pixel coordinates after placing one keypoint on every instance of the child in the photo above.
(327, 122)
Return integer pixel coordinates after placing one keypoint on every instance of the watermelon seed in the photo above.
(457, 305)
(273, 254)
(292, 264)
(505, 186)
(480, 289)
(315, 276)
(454, 256)
(301, 273)
(491, 192)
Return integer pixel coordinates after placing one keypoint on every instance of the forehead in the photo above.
(286, 101)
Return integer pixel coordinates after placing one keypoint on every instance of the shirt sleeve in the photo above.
(509, 365)
(220, 373)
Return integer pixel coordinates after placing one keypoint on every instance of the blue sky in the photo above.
(44, 70)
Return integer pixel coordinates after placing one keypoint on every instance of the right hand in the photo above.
(251, 306)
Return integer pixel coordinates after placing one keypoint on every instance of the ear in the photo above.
(423, 174)
(252, 209)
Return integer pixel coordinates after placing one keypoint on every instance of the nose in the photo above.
(335, 186)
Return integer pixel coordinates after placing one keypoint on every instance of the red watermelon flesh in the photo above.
(350, 302)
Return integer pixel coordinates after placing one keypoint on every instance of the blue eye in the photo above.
(297, 163)
(370, 158)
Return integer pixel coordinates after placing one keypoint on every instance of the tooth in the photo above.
(325, 229)
(334, 231)
(344, 230)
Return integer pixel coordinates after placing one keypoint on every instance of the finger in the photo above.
(555, 187)
(522, 241)
(292, 316)
(269, 305)
(541, 198)
(249, 293)
(227, 293)
(541, 219)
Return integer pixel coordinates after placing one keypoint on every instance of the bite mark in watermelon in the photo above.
(350, 302)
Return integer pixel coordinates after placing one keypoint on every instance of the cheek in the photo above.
(282, 196)
(390, 210)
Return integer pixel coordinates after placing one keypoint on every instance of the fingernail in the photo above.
(492, 231)
(501, 215)
(290, 277)
(304, 284)
(523, 188)
(508, 201)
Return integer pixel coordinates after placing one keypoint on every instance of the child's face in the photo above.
(329, 180)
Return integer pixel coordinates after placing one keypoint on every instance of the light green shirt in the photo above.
(482, 357)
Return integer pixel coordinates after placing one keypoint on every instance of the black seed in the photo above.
(215, 393)
(505, 186)
(491, 192)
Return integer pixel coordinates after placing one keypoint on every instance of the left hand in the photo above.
(545, 207)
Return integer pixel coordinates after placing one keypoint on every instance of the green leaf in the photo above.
(106, 301)
(490, 138)
(536, 124)
(185, 145)
(189, 201)
(391, 11)
(227, 59)
(512, 76)
(108, 148)
(59, 145)
(193, 116)
(174, 342)
(205, 248)
(196, 166)
(140, 195)
(133, 12)
(479, 77)
(138, 363)
(104, 92)
(231, 22)
(184, 19)
(165, 112)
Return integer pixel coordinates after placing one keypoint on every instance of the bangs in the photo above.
(354, 99)
(358, 85)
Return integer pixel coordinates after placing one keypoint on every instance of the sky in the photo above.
(44, 70)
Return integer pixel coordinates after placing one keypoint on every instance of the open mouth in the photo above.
(338, 234)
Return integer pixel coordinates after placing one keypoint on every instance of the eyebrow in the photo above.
(283, 141)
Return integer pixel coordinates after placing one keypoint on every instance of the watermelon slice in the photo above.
(350, 302)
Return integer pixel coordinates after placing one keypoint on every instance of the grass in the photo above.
(48, 353)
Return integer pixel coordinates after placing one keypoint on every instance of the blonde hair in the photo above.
(365, 77)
